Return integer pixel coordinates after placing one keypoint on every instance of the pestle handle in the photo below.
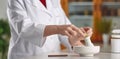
(88, 41)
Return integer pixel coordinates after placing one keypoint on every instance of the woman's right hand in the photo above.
(74, 34)
(70, 31)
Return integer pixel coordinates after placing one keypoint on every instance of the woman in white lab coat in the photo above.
(36, 29)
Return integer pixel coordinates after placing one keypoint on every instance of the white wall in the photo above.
(3, 5)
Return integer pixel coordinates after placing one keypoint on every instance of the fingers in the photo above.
(85, 34)
(88, 31)
(82, 29)
(69, 32)
(66, 30)
(78, 43)
(80, 32)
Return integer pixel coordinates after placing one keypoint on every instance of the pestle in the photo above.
(88, 41)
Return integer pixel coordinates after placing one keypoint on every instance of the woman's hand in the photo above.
(74, 33)
(75, 40)
(70, 30)
(88, 31)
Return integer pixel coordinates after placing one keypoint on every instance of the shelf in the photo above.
(111, 17)
(81, 17)
(112, 4)
(81, 3)
(81, 21)
(80, 6)
(91, 3)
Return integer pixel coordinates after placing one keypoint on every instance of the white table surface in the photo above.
(105, 54)
(76, 56)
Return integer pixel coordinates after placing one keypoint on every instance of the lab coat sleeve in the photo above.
(64, 39)
(26, 29)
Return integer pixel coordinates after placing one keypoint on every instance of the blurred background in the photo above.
(102, 15)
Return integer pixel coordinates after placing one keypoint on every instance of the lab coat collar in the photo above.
(39, 5)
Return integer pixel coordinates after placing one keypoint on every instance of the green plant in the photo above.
(104, 26)
(4, 35)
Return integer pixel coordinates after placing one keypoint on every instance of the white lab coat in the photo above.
(28, 19)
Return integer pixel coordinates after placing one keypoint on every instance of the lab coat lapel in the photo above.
(55, 3)
(39, 5)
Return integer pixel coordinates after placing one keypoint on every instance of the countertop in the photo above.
(100, 55)
(104, 54)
